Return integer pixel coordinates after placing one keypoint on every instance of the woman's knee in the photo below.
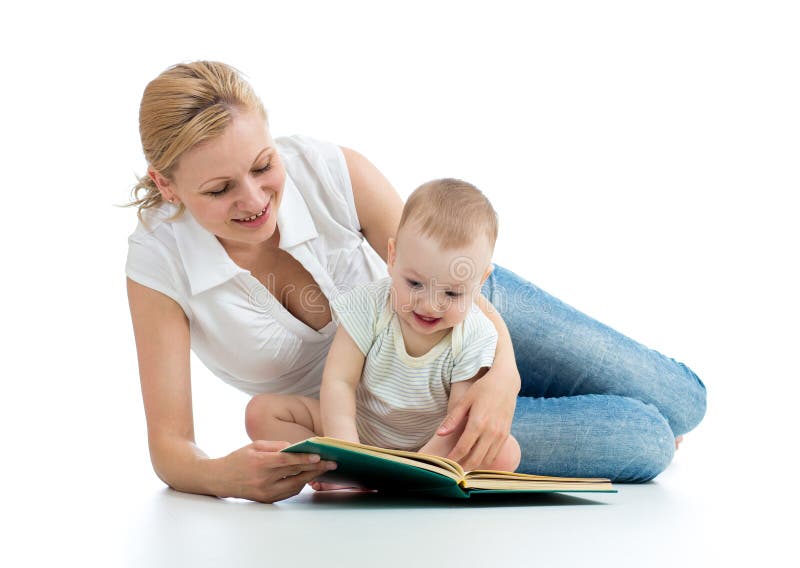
(644, 447)
(620, 438)
(694, 404)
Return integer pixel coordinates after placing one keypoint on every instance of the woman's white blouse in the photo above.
(240, 331)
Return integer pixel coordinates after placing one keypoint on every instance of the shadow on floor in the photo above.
(356, 499)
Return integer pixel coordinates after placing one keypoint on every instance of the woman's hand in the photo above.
(260, 472)
(488, 408)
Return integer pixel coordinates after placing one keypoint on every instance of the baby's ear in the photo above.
(486, 274)
(390, 253)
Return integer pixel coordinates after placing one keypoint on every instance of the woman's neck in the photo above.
(253, 256)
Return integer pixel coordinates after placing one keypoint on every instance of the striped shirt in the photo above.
(401, 400)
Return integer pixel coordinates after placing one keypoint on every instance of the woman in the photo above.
(244, 239)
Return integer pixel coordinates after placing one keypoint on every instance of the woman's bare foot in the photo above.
(678, 441)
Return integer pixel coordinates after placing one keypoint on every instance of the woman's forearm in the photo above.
(258, 471)
(504, 367)
(185, 467)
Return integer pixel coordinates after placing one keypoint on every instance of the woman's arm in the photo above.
(254, 472)
(488, 404)
(440, 445)
(340, 378)
(378, 205)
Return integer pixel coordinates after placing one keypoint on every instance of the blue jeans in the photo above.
(593, 402)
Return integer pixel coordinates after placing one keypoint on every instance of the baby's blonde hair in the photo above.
(451, 211)
(185, 105)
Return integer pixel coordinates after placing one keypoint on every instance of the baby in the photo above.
(409, 346)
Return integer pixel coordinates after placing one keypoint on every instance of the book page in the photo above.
(531, 485)
(489, 474)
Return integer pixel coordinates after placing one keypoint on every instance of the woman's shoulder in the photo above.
(304, 156)
(153, 239)
(154, 223)
(153, 258)
(318, 170)
(300, 145)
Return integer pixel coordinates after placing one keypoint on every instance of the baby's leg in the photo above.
(507, 459)
(282, 417)
(286, 418)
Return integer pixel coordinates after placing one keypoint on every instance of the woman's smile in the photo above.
(256, 220)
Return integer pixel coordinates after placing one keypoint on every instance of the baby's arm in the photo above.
(340, 379)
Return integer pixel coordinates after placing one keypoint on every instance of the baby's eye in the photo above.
(453, 294)
(413, 283)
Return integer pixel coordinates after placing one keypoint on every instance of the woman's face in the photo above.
(232, 184)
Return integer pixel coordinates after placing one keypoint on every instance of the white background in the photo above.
(642, 156)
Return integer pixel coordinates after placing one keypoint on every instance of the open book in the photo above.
(397, 471)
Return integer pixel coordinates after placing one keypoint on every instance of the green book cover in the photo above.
(395, 471)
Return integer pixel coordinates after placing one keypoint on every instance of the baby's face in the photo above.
(433, 288)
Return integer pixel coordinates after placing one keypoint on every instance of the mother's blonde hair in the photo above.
(186, 104)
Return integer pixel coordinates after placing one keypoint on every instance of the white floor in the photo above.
(95, 502)
(684, 519)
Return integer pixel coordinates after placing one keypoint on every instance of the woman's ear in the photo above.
(163, 185)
